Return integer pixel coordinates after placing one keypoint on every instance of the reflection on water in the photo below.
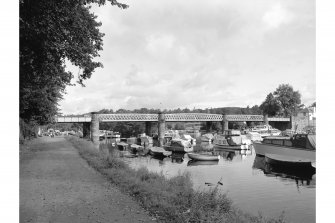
(250, 182)
(301, 176)
(198, 162)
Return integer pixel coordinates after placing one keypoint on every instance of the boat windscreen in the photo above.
(311, 142)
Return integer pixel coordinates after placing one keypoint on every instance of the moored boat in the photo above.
(179, 145)
(122, 145)
(159, 152)
(266, 130)
(208, 137)
(254, 136)
(189, 138)
(230, 140)
(288, 161)
(134, 148)
(290, 149)
(144, 140)
(203, 157)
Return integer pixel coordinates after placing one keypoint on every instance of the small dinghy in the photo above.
(203, 157)
(159, 152)
(134, 148)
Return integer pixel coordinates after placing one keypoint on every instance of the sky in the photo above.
(199, 54)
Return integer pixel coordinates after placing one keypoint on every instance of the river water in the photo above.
(249, 181)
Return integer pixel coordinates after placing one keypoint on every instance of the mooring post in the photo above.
(161, 128)
(95, 127)
(148, 128)
(224, 123)
(86, 130)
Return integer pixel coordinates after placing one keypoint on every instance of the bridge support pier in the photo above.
(266, 121)
(148, 128)
(209, 126)
(86, 129)
(95, 127)
(224, 123)
(161, 128)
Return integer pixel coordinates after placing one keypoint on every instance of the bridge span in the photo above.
(174, 117)
(91, 122)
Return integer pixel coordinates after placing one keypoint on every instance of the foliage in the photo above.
(52, 32)
(283, 101)
(271, 105)
(289, 99)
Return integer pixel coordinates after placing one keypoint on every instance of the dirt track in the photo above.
(57, 185)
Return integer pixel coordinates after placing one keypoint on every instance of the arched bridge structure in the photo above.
(91, 122)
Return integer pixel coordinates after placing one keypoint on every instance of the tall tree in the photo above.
(289, 99)
(271, 106)
(284, 101)
(51, 32)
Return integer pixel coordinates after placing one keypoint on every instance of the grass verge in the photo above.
(170, 200)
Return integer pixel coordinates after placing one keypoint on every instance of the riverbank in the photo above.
(171, 200)
(57, 185)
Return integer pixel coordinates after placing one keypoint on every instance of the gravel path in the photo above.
(57, 185)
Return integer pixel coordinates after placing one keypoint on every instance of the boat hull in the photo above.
(179, 149)
(239, 147)
(159, 152)
(287, 161)
(264, 149)
(203, 157)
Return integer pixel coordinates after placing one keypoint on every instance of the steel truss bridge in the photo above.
(175, 117)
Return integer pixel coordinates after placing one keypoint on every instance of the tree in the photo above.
(289, 99)
(52, 32)
(271, 106)
(284, 101)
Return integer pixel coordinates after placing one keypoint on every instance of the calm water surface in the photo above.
(252, 184)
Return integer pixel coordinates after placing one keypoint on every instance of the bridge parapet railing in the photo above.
(278, 119)
(128, 117)
(196, 117)
(70, 119)
(255, 118)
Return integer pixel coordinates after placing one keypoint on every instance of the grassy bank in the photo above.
(171, 200)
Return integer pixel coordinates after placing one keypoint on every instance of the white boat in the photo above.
(179, 145)
(254, 136)
(208, 137)
(232, 139)
(265, 130)
(116, 135)
(189, 138)
(172, 134)
(299, 148)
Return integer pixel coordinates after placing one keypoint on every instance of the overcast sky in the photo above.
(192, 53)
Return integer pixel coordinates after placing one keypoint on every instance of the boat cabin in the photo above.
(305, 141)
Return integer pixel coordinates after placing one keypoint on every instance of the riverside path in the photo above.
(57, 185)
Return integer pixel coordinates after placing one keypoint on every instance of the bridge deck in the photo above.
(177, 117)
